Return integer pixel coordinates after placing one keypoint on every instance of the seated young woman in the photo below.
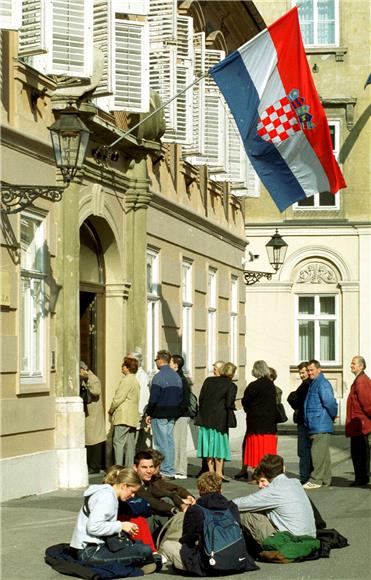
(97, 520)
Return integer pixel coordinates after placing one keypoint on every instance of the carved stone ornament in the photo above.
(316, 273)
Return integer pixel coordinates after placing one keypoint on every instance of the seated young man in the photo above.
(282, 505)
(166, 498)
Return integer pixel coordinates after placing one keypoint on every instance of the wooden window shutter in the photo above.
(184, 77)
(36, 16)
(132, 6)
(215, 116)
(131, 82)
(10, 15)
(103, 23)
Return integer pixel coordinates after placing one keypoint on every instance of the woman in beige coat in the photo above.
(124, 412)
(95, 429)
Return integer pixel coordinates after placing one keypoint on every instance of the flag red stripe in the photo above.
(295, 74)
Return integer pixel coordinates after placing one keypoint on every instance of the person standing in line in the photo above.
(358, 421)
(142, 440)
(216, 405)
(124, 411)
(164, 407)
(95, 428)
(259, 404)
(181, 424)
(320, 410)
(273, 376)
(296, 399)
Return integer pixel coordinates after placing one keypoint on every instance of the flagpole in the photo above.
(107, 147)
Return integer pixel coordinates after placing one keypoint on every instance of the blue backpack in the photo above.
(224, 544)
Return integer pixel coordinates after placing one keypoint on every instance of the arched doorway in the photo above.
(92, 301)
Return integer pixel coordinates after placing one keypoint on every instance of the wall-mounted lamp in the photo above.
(276, 250)
(70, 139)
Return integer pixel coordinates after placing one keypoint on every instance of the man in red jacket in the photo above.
(358, 421)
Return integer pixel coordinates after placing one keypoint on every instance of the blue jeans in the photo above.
(304, 454)
(136, 555)
(163, 440)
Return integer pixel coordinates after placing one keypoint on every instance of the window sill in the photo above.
(338, 51)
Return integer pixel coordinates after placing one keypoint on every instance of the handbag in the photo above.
(86, 395)
(232, 421)
(118, 541)
(193, 405)
(281, 416)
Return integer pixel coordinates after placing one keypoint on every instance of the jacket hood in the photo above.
(214, 501)
(97, 487)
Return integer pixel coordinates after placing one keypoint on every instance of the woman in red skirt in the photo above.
(259, 404)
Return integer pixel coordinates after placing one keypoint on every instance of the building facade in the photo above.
(318, 305)
(145, 250)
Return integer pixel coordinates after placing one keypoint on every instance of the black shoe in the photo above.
(226, 479)
(241, 475)
(358, 483)
(92, 470)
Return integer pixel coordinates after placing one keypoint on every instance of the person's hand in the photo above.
(130, 528)
(184, 507)
(148, 420)
(84, 374)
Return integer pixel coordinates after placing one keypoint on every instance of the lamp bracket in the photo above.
(254, 277)
(16, 198)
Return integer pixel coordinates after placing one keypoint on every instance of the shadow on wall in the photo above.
(354, 134)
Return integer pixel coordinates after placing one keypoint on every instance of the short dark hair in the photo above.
(157, 456)
(303, 365)
(131, 364)
(178, 360)
(209, 482)
(270, 466)
(272, 374)
(142, 455)
(164, 355)
(314, 362)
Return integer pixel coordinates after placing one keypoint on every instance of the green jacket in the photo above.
(290, 546)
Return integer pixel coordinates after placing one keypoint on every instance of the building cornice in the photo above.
(194, 219)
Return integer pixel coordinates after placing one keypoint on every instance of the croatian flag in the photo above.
(271, 94)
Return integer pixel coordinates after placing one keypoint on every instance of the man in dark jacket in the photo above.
(296, 399)
(164, 406)
(320, 410)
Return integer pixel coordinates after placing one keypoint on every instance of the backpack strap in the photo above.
(85, 507)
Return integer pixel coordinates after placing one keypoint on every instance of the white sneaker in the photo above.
(180, 476)
(311, 485)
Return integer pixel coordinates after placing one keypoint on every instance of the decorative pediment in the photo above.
(317, 273)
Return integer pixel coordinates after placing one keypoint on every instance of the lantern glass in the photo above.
(70, 139)
(276, 250)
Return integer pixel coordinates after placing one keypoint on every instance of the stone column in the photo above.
(70, 418)
(137, 198)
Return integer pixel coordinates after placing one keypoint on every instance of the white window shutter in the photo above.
(193, 152)
(162, 18)
(250, 183)
(163, 80)
(36, 16)
(103, 24)
(69, 34)
(10, 14)
(183, 105)
(131, 78)
(215, 116)
(232, 165)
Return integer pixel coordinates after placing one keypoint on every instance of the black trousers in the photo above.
(95, 455)
(360, 452)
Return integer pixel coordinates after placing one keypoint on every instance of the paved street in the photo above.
(31, 524)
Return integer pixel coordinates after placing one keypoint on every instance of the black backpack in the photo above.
(223, 543)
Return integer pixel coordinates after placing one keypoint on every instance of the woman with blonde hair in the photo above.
(215, 417)
(259, 404)
(97, 521)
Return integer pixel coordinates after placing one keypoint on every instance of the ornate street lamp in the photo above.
(276, 250)
(70, 139)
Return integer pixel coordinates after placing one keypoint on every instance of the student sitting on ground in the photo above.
(280, 506)
(165, 497)
(192, 553)
(97, 520)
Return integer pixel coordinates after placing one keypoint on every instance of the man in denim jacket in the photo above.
(320, 410)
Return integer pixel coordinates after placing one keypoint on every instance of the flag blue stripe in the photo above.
(243, 100)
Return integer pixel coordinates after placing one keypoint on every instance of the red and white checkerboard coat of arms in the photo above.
(278, 122)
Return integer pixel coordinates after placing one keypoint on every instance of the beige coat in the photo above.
(125, 404)
(95, 429)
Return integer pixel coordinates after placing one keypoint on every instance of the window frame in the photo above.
(153, 309)
(32, 379)
(317, 318)
(315, 43)
(187, 314)
(234, 320)
(212, 305)
(336, 123)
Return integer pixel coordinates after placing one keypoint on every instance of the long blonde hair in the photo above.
(120, 474)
